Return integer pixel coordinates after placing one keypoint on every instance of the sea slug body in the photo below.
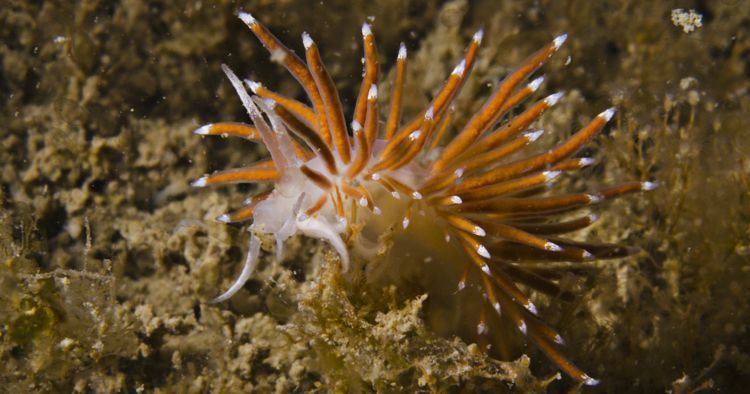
(490, 206)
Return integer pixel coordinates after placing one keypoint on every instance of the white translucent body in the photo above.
(282, 214)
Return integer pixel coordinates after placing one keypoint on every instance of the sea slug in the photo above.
(340, 181)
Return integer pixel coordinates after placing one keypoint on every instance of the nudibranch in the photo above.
(493, 208)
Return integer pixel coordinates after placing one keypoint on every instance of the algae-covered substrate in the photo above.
(108, 257)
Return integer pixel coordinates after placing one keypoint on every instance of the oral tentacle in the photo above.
(251, 261)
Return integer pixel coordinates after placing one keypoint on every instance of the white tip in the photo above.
(497, 307)
(522, 327)
(586, 161)
(414, 135)
(375, 176)
(478, 231)
(589, 381)
(552, 99)
(396, 195)
(377, 211)
(362, 202)
(416, 195)
(447, 238)
(461, 285)
(456, 200)
(482, 251)
(608, 114)
(460, 68)
(429, 114)
(649, 185)
(593, 217)
(532, 136)
(551, 246)
(372, 94)
(481, 329)
(401, 52)
(270, 103)
(459, 172)
(486, 269)
(200, 182)
(594, 198)
(247, 18)
(356, 126)
(405, 223)
(203, 130)
(559, 40)
(478, 36)
(531, 308)
(306, 40)
(366, 31)
(224, 218)
(587, 255)
(550, 175)
(534, 85)
(559, 340)
(253, 85)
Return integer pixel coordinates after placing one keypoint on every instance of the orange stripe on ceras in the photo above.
(521, 205)
(619, 190)
(561, 361)
(372, 118)
(338, 202)
(463, 224)
(332, 102)
(400, 186)
(318, 205)
(261, 172)
(458, 77)
(511, 233)
(281, 54)
(435, 185)
(492, 109)
(394, 115)
(445, 122)
(311, 138)
(502, 302)
(293, 124)
(448, 92)
(479, 154)
(316, 177)
(246, 212)
(413, 147)
(353, 192)
(509, 186)
(301, 111)
(368, 197)
(534, 281)
(401, 151)
(396, 142)
(371, 73)
(556, 228)
(483, 160)
(361, 155)
(560, 152)
(233, 129)
(501, 279)
(512, 127)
